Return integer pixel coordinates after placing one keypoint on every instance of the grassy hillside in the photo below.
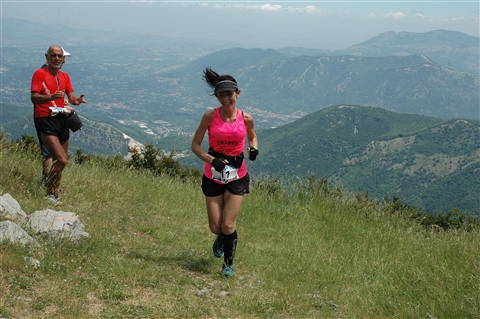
(426, 161)
(435, 168)
(306, 252)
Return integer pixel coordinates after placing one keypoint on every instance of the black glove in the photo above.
(219, 164)
(252, 153)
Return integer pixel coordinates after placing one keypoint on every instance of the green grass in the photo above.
(301, 254)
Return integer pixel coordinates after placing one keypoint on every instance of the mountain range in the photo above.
(146, 78)
(363, 117)
(452, 49)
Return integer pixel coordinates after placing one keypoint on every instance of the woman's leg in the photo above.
(231, 209)
(222, 213)
(215, 218)
(214, 212)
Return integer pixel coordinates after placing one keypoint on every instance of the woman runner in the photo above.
(225, 178)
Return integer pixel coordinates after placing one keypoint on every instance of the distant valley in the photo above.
(412, 98)
(156, 81)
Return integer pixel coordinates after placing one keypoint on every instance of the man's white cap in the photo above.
(65, 53)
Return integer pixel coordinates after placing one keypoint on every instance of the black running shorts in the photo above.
(53, 125)
(211, 188)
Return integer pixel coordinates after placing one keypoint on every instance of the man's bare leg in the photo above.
(58, 151)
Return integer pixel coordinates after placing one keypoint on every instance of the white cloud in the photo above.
(261, 7)
(419, 15)
(268, 7)
(307, 9)
(395, 15)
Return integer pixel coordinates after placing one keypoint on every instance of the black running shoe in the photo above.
(217, 248)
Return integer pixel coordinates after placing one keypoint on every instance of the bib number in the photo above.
(227, 175)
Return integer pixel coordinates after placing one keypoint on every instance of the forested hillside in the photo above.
(425, 161)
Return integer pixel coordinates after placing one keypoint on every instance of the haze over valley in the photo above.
(148, 89)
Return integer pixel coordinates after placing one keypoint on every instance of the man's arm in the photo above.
(38, 98)
(75, 100)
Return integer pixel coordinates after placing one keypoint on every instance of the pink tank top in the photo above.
(228, 139)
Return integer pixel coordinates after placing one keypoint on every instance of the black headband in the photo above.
(226, 85)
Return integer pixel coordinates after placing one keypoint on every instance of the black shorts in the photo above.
(240, 186)
(53, 125)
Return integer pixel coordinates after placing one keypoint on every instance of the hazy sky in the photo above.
(328, 25)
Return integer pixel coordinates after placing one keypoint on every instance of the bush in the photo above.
(155, 161)
(453, 219)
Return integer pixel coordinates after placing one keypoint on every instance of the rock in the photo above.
(10, 209)
(32, 261)
(50, 223)
(202, 291)
(56, 225)
(9, 231)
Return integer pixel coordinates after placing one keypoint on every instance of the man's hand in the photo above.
(79, 100)
(57, 95)
(71, 109)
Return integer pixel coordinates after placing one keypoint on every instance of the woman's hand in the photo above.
(252, 153)
(219, 164)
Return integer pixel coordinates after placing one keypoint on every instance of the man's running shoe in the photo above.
(228, 271)
(52, 198)
(217, 248)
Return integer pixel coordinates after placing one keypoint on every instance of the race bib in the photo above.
(227, 175)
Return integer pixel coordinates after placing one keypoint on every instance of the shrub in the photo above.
(158, 163)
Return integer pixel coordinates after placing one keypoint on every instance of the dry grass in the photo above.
(149, 255)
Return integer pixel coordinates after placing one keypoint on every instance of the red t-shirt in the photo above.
(46, 83)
